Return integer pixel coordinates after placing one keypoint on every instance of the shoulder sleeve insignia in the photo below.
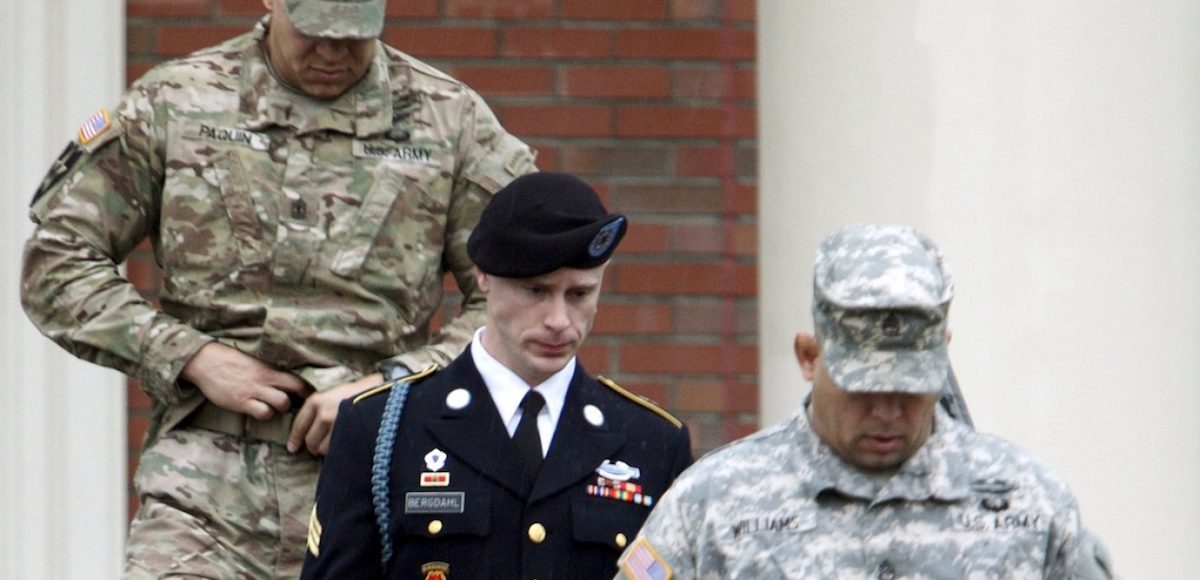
(642, 562)
(385, 387)
(640, 400)
(95, 126)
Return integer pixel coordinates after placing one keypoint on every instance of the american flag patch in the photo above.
(94, 126)
(643, 563)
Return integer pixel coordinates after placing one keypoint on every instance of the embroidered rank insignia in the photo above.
(642, 562)
(314, 533)
(436, 570)
(94, 126)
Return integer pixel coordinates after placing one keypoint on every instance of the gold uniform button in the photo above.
(537, 533)
(621, 540)
(435, 527)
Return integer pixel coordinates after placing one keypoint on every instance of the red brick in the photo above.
(557, 121)
(171, 8)
(547, 156)
(741, 398)
(707, 431)
(139, 39)
(680, 279)
(622, 161)
(707, 238)
(745, 122)
(557, 43)
(240, 7)
(594, 357)
(633, 319)
(645, 238)
(701, 162)
(618, 82)
(443, 41)
(745, 162)
(615, 9)
(702, 317)
(694, 9)
(135, 71)
(412, 9)
(701, 397)
(136, 398)
(743, 199)
(669, 43)
(700, 83)
(745, 239)
(656, 392)
(136, 432)
(670, 198)
(177, 40)
(650, 122)
(743, 10)
(689, 359)
(740, 429)
(745, 84)
(499, 10)
(507, 80)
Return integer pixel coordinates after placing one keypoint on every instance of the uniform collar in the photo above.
(937, 471)
(365, 110)
(507, 389)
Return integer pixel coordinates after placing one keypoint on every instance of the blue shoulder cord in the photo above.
(381, 466)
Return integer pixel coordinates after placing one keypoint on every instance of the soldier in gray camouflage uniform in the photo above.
(872, 479)
(304, 188)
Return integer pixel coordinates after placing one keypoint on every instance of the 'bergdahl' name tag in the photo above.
(432, 502)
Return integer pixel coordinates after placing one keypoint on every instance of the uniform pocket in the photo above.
(598, 520)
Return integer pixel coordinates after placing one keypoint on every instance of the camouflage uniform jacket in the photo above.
(313, 235)
(781, 504)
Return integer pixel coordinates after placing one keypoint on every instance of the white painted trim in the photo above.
(62, 422)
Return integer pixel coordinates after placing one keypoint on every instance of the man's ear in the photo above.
(807, 351)
(481, 280)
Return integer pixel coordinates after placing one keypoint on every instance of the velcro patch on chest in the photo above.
(399, 152)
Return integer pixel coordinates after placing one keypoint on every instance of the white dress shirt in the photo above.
(507, 391)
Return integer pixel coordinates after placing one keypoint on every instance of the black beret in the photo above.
(541, 222)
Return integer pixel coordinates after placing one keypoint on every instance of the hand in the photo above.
(238, 382)
(313, 425)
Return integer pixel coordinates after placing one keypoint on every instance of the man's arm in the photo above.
(100, 200)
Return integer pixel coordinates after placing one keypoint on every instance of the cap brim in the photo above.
(358, 21)
(860, 370)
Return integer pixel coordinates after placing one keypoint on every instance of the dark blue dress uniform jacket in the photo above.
(547, 529)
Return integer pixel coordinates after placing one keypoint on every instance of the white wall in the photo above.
(62, 422)
(1053, 150)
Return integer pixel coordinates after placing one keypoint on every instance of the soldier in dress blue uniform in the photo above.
(512, 462)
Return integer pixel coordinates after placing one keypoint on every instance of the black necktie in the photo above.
(529, 441)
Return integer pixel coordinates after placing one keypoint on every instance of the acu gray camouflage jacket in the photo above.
(781, 504)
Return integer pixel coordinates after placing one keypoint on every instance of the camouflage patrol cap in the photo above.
(881, 296)
(359, 19)
(541, 222)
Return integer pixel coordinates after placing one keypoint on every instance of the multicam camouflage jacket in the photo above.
(313, 235)
(781, 504)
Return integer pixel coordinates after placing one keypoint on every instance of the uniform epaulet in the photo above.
(385, 387)
(640, 400)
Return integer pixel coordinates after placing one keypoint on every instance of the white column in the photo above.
(62, 422)
(1051, 149)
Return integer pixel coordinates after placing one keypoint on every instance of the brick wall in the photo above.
(651, 101)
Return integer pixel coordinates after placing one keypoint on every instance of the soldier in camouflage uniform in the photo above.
(872, 479)
(304, 188)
